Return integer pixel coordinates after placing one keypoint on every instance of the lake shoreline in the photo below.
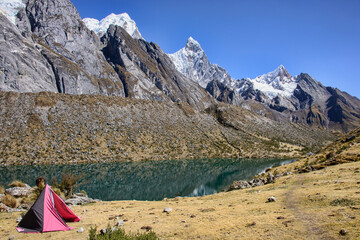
(147, 180)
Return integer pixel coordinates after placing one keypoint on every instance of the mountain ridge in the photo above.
(296, 97)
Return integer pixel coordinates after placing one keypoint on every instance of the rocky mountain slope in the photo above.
(71, 95)
(61, 128)
(301, 98)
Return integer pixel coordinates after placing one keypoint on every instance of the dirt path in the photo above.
(293, 202)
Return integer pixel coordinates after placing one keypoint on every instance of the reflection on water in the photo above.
(150, 180)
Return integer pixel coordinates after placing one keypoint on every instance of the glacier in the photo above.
(10, 8)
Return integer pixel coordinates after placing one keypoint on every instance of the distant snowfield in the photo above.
(123, 20)
(10, 8)
(271, 84)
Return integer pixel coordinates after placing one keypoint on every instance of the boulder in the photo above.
(120, 223)
(78, 200)
(270, 178)
(3, 207)
(19, 191)
(239, 185)
(271, 199)
(167, 210)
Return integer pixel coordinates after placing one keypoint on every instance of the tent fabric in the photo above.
(48, 214)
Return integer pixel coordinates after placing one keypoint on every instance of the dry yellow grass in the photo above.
(314, 205)
(10, 201)
(16, 183)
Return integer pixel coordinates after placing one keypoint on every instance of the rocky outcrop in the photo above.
(20, 191)
(81, 68)
(22, 66)
(223, 93)
(261, 180)
(80, 199)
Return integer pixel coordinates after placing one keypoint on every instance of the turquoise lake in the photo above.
(149, 180)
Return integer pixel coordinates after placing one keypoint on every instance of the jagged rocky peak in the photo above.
(283, 73)
(123, 20)
(193, 45)
(279, 74)
(194, 64)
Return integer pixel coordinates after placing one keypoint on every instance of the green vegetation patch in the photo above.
(343, 202)
(117, 234)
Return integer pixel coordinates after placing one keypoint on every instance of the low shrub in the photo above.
(10, 201)
(67, 185)
(342, 202)
(119, 234)
(16, 183)
(36, 193)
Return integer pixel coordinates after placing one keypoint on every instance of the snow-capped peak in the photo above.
(187, 58)
(277, 82)
(10, 8)
(123, 20)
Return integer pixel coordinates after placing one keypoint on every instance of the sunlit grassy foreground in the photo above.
(320, 203)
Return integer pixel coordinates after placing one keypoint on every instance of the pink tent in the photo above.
(48, 214)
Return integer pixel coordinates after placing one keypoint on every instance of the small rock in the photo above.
(343, 232)
(85, 210)
(192, 216)
(270, 178)
(12, 238)
(167, 210)
(271, 199)
(80, 230)
(81, 194)
(251, 224)
(280, 217)
(286, 223)
(183, 221)
(120, 223)
(147, 228)
(3, 207)
(19, 219)
(103, 231)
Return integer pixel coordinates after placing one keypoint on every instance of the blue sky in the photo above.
(252, 37)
